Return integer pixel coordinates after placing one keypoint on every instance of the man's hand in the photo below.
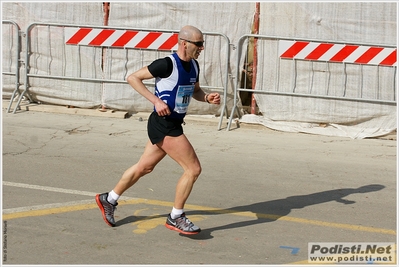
(161, 108)
(214, 98)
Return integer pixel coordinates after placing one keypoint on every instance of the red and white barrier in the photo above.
(121, 38)
(329, 52)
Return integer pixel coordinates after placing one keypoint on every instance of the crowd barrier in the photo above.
(328, 65)
(103, 55)
(11, 57)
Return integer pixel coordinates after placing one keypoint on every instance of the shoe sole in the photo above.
(102, 211)
(171, 227)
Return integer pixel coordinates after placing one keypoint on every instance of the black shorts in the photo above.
(159, 127)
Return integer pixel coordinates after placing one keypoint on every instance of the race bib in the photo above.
(183, 97)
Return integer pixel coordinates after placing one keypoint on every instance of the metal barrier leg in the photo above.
(231, 118)
(19, 101)
(221, 116)
(12, 98)
(235, 109)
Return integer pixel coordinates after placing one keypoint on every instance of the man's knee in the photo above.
(143, 170)
(195, 171)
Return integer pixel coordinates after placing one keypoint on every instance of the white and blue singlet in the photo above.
(177, 89)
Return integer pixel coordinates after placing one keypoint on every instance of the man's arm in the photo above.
(136, 81)
(200, 95)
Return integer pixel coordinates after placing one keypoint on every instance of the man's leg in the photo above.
(180, 149)
(151, 157)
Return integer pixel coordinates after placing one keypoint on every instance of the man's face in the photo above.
(195, 46)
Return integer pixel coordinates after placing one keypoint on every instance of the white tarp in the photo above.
(351, 22)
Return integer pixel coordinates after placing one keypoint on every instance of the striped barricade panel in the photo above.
(329, 52)
(121, 38)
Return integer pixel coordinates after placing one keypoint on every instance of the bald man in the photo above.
(176, 82)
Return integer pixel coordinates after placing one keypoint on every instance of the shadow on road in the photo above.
(268, 211)
(272, 210)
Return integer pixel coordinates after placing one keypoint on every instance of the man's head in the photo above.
(191, 42)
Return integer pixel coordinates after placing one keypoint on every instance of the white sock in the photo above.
(176, 213)
(113, 197)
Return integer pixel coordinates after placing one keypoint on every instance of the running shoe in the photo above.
(107, 209)
(182, 225)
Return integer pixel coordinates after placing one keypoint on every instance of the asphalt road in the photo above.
(262, 197)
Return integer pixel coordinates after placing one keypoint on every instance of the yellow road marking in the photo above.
(148, 223)
(201, 208)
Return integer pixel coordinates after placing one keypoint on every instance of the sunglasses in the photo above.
(198, 44)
